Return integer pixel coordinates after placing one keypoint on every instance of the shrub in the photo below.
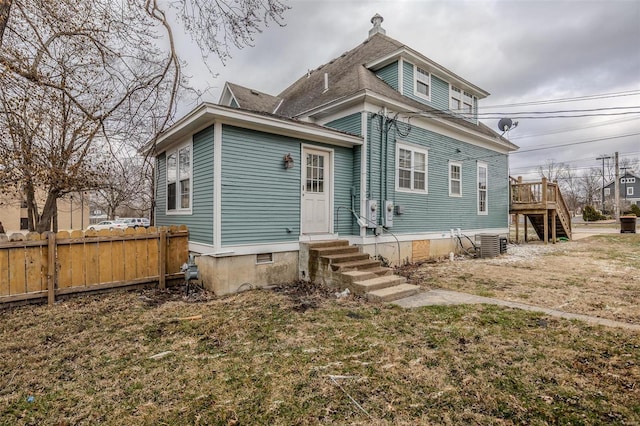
(635, 209)
(589, 214)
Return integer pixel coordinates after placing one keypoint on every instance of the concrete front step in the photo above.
(357, 264)
(330, 243)
(346, 257)
(324, 251)
(377, 283)
(350, 277)
(392, 293)
(379, 270)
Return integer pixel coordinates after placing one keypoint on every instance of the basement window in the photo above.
(264, 258)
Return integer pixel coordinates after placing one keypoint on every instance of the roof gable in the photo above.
(249, 99)
(343, 76)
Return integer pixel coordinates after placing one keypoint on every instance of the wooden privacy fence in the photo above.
(52, 264)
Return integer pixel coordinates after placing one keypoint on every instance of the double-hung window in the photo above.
(455, 104)
(411, 168)
(629, 190)
(467, 103)
(455, 179)
(483, 180)
(422, 83)
(179, 179)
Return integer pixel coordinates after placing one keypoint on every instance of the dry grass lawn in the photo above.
(598, 276)
(299, 356)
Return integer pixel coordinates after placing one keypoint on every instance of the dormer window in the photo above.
(461, 101)
(422, 86)
(456, 99)
(467, 102)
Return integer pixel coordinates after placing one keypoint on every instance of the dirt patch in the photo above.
(598, 276)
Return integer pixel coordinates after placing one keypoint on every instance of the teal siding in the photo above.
(344, 200)
(200, 221)
(439, 89)
(439, 93)
(436, 211)
(408, 83)
(260, 199)
(389, 75)
(350, 124)
(161, 189)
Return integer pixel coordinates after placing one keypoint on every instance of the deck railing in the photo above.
(543, 195)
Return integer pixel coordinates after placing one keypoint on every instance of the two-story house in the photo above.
(380, 146)
(629, 191)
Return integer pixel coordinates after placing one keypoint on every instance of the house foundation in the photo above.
(228, 275)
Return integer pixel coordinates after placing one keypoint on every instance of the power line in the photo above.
(574, 143)
(571, 129)
(562, 100)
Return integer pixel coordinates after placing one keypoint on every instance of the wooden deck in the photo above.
(542, 203)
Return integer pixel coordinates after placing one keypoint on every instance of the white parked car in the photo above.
(108, 224)
(135, 222)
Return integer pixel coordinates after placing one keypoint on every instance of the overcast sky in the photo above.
(519, 51)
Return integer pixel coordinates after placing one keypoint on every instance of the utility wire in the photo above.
(573, 143)
(571, 129)
(562, 100)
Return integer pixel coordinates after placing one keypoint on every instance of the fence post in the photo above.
(163, 258)
(52, 274)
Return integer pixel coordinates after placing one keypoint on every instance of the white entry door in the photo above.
(316, 192)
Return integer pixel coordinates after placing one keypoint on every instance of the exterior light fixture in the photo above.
(288, 161)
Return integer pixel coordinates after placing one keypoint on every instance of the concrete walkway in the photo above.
(447, 297)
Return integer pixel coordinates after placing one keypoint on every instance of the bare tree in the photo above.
(552, 170)
(126, 189)
(79, 75)
(5, 9)
(632, 165)
(570, 187)
(591, 185)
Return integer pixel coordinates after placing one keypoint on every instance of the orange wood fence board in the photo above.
(92, 263)
(4, 273)
(100, 259)
(33, 266)
(17, 268)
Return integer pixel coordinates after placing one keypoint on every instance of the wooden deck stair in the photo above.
(542, 203)
(340, 265)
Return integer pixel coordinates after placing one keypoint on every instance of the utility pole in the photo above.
(616, 208)
(603, 158)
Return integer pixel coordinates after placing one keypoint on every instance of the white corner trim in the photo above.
(363, 168)
(401, 76)
(217, 185)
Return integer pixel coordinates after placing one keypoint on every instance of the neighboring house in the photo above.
(73, 212)
(380, 146)
(629, 191)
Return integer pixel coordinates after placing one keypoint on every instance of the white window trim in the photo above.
(413, 149)
(415, 83)
(459, 164)
(486, 190)
(629, 190)
(178, 210)
(607, 192)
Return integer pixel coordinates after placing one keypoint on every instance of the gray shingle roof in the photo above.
(254, 100)
(346, 73)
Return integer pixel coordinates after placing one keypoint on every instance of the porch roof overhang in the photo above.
(207, 114)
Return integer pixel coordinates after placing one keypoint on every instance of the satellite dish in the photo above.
(505, 124)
